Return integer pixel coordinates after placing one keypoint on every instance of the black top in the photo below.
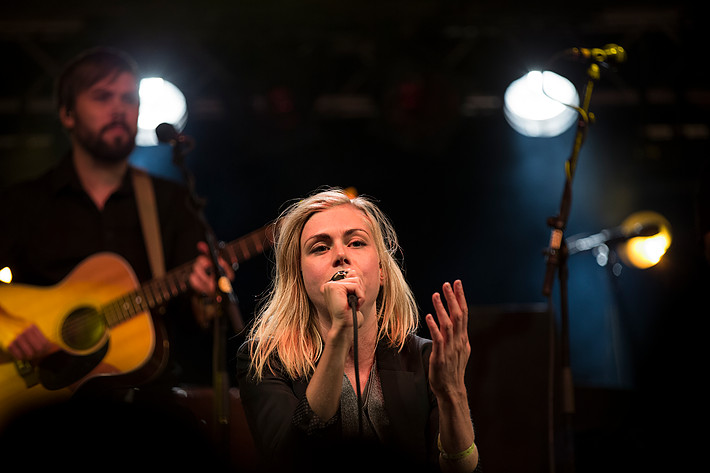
(291, 437)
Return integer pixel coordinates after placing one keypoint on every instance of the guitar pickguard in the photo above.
(61, 369)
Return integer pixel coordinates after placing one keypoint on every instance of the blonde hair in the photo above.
(286, 325)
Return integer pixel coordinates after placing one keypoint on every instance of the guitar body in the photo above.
(85, 345)
(100, 326)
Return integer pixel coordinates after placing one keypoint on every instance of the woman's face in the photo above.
(339, 238)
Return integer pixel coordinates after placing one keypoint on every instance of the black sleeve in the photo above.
(285, 429)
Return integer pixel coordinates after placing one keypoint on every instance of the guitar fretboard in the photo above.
(250, 245)
(157, 292)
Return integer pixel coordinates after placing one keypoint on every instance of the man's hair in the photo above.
(87, 69)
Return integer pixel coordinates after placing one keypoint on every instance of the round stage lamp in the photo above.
(645, 251)
(161, 102)
(539, 104)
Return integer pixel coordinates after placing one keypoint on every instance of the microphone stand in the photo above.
(227, 304)
(557, 254)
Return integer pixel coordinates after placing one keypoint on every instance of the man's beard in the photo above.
(103, 151)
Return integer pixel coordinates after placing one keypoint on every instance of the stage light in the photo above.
(5, 275)
(540, 104)
(161, 102)
(645, 251)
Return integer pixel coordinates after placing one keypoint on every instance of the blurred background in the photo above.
(403, 100)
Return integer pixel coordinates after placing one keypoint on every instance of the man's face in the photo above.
(104, 120)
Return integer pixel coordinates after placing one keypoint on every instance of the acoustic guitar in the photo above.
(99, 322)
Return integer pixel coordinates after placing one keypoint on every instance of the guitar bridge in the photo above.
(28, 372)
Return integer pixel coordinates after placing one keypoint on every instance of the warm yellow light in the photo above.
(5, 275)
(644, 252)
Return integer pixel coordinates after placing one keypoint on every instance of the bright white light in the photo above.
(5, 275)
(161, 102)
(535, 104)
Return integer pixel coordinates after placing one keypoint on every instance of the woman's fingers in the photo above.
(451, 334)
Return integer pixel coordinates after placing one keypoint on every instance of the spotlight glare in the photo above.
(644, 252)
(160, 102)
(537, 104)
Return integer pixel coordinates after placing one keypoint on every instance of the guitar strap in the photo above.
(148, 212)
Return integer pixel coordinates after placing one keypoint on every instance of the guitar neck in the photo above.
(248, 246)
(158, 292)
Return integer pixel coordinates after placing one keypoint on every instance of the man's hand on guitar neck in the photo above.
(202, 281)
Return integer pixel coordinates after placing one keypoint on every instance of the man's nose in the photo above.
(119, 107)
(119, 110)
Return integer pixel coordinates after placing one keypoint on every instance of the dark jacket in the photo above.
(289, 436)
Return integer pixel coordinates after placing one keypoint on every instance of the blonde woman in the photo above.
(332, 374)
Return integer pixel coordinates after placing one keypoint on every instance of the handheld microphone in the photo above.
(339, 275)
(352, 298)
(609, 53)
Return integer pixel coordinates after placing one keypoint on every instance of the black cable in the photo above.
(352, 300)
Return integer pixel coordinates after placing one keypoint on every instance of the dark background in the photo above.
(403, 101)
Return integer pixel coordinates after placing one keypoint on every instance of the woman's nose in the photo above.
(340, 254)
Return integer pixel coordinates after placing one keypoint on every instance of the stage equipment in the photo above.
(510, 380)
(557, 254)
(644, 251)
(545, 104)
(161, 102)
(541, 104)
(638, 225)
(225, 296)
(640, 241)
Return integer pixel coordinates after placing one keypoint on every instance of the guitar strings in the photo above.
(157, 292)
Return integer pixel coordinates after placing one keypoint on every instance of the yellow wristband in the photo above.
(455, 456)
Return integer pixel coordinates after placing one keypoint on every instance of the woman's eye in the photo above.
(357, 243)
(319, 249)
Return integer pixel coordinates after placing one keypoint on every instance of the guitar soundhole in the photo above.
(84, 328)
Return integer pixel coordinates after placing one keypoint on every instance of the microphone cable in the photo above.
(352, 300)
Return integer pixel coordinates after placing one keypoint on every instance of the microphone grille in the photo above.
(339, 275)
